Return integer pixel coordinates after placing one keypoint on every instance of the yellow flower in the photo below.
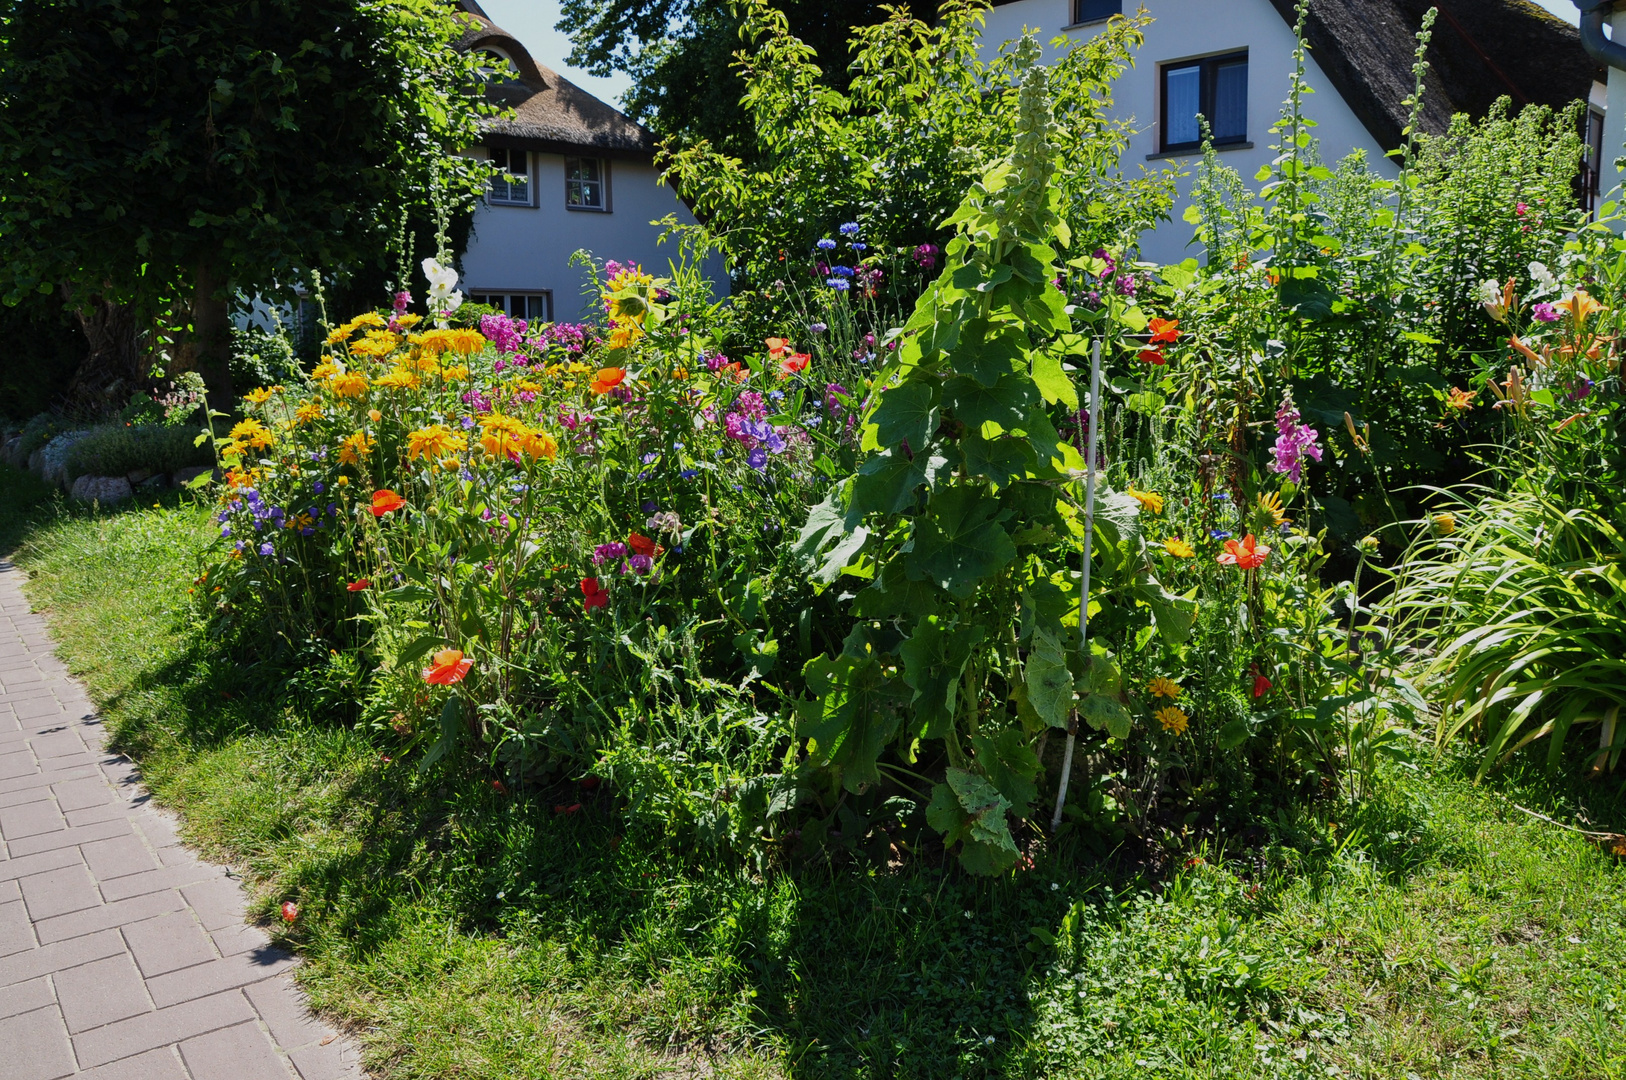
(374, 415)
(1161, 687)
(454, 372)
(348, 385)
(1445, 524)
(343, 481)
(1270, 507)
(407, 322)
(1179, 548)
(466, 342)
(1172, 718)
(258, 397)
(1579, 305)
(308, 411)
(375, 343)
(253, 433)
(501, 435)
(435, 441)
(623, 336)
(325, 370)
(399, 379)
(354, 448)
(539, 444)
(1150, 500)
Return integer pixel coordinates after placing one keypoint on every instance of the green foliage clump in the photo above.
(125, 449)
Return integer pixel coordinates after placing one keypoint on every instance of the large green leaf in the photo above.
(907, 413)
(1105, 714)
(886, 483)
(1052, 381)
(990, 351)
(852, 715)
(934, 658)
(1011, 765)
(970, 811)
(959, 541)
(1005, 403)
(1049, 682)
(1001, 460)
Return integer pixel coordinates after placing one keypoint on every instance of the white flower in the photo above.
(1490, 295)
(1543, 279)
(442, 279)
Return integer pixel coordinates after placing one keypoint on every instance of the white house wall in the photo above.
(528, 248)
(1185, 30)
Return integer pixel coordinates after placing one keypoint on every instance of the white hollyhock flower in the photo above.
(1490, 295)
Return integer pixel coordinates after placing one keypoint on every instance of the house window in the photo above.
(1085, 11)
(1215, 87)
(512, 184)
(1592, 162)
(587, 184)
(533, 307)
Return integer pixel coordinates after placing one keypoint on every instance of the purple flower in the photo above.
(650, 458)
(502, 332)
(1295, 441)
(758, 459)
(225, 531)
(403, 300)
(320, 487)
(1219, 534)
(1580, 389)
(926, 256)
(1544, 313)
(1126, 285)
(689, 474)
(265, 548)
(838, 284)
(641, 564)
(817, 328)
(612, 552)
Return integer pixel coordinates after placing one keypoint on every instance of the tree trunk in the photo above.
(211, 334)
(115, 368)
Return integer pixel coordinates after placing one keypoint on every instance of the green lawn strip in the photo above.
(469, 933)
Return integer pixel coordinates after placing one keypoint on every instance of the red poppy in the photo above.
(561, 808)
(607, 379)
(594, 595)
(1165, 331)
(1248, 555)
(450, 665)
(639, 544)
(790, 365)
(290, 911)
(359, 585)
(588, 783)
(499, 787)
(385, 500)
(1261, 687)
(1152, 356)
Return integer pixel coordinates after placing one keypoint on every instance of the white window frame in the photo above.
(500, 192)
(603, 182)
(507, 298)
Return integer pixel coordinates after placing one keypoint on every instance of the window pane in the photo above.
(1230, 119)
(536, 309)
(1091, 10)
(1181, 104)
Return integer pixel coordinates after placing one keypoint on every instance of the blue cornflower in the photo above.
(650, 506)
(850, 229)
(225, 531)
(856, 246)
(817, 328)
(776, 395)
(826, 244)
(842, 271)
(1221, 496)
(837, 284)
(649, 458)
(689, 474)
(1219, 534)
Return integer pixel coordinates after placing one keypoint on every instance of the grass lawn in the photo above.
(1434, 932)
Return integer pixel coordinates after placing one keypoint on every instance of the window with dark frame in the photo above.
(512, 184)
(587, 184)
(533, 307)
(1085, 11)
(1592, 162)
(1215, 87)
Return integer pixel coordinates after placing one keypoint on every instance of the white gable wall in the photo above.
(1184, 30)
(528, 248)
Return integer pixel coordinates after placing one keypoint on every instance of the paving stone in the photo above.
(25, 866)
(184, 872)
(226, 973)
(118, 857)
(160, 830)
(84, 834)
(54, 957)
(36, 1046)
(219, 903)
(26, 996)
(286, 1013)
(17, 765)
(32, 780)
(135, 909)
(240, 938)
(161, 1064)
(338, 1060)
(81, 794)
(100, 992)
(90, 815)
(30, 819)
(10, 891)
(138, 1034)
(16, 932)
(57, 892)
(235, 1053)
(168, 943)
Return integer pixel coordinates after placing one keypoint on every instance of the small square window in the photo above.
(1085, 11)
(587, 184)
(1215, 87)
(533, 307)
(512, 184)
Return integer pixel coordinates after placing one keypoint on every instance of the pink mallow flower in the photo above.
(1295, 441)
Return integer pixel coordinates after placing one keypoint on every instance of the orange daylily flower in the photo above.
(1579, 305)
(1248, 555)
(607, 379)
(1460, 399)
(450, 665)
(1165, 331)
(385, 500)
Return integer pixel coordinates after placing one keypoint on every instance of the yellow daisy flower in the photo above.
(1179, 548)
(1173, 719)
(1162, 687)
(1149, 500)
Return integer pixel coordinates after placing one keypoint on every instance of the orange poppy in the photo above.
(639, 544)
(385, 500)
(1165, 331)
(359, 585)
(450, 665)
(790, 365)
(777, 347)
(607, 379)
(1248, 555)
(1152, 356)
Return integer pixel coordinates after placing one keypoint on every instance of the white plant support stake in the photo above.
(1084, 585)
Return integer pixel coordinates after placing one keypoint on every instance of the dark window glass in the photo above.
(515, 164)
(1216, 88)
(1091, 10)
(584, 184)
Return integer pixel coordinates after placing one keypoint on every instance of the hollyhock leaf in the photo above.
(990, 351)
(852, 717)
(1048, 680)
(886, 483)
(1052, 381)
(1006, 403)
(893, 596)
(959, 541)
(907, 413)
(1000, 460)
(1105, 714)
(1234, 734)
(1011, 766)
(969, 810)
(934, 657)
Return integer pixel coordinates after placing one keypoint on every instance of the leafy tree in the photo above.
(680, 54)
(155, 150)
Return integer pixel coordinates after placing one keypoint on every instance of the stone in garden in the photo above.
(102, 489)
(9, 452)
(53, 458)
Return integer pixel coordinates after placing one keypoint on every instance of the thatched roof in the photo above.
(1480, 50)
(551, 113)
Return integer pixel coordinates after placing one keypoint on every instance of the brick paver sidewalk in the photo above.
(122, 956)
